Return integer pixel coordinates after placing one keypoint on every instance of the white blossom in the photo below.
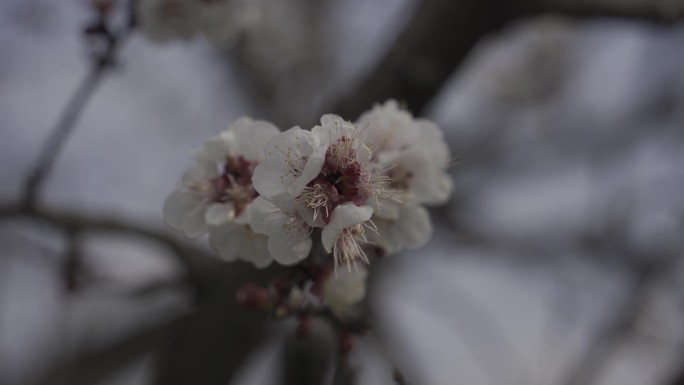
(411, 152)
(234, 241)
(323, 178)
(411, 229)
(217, 191)
(413, 157)
(289, 236)
(343, 289)
(293, 159)
(345, 234)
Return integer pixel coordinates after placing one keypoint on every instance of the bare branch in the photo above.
(102, 64)
(443, 32)
(98, 363)
(212, 342)
(59, 134)
(426, 53)
(651, 11)
(189, 256)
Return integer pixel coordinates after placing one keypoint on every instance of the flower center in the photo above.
(342, 179)
(235, 183)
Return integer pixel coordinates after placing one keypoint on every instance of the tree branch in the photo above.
(426, 53)
(191, 257)
(210, 344)
(54, 143)
(93, 365)
(103, 62)
(647, 10)
(442, 33)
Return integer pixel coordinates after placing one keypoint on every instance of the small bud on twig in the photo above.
(252, 296)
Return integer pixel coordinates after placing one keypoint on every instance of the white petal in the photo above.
(386, 236)
(251, 137)
(177, 206)
(343, 216)
(363, 154)
(349, 214)
(432, 140)
(313, 167)
(226, 241)
(388, 128)
(308, 215)
(444, 185)
(329, 237)
(271, 179)
(194, 223)
(293, 159)
(288, 250)
(218, 147)
(411, 230)
(202, 171)
(333, 128)
(220, 213)
(256, 250)
(386, 208)
(414, 227)
(265, 216)
(431, 186)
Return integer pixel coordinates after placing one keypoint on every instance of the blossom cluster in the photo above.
(336, 193)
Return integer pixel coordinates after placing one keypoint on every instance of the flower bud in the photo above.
(281, 284)
(304, 326)
(103, 6)
(295, 299)
(253, 296)
(345, 342)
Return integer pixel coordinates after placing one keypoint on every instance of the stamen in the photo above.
(347, 248)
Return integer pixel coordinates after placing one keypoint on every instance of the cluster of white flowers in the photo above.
(218, 20)
(353, 188)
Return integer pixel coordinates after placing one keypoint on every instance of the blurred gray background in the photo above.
(556, 262)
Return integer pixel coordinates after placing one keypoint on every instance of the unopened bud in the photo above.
(95, 29)
(282, 283)
(345, 342)
(252, 296)
(304, 326)
(281, 311)
(103, 6)
(295, 299)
